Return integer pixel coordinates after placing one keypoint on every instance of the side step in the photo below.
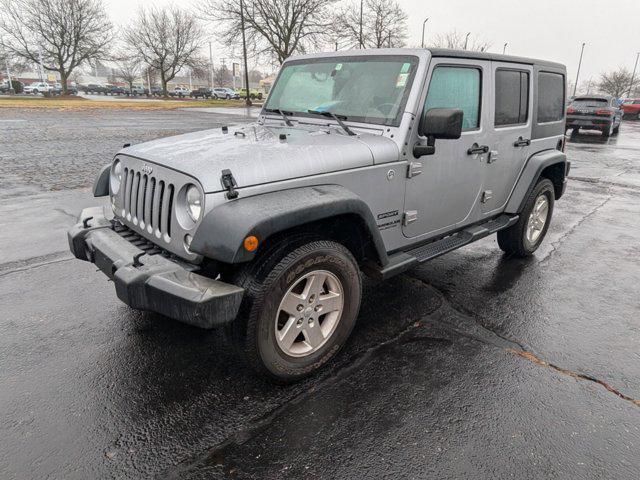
(401, 261)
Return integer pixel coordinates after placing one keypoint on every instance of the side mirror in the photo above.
(444, 123)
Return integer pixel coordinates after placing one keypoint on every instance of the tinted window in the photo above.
(550, 97)
(512, 97)
(456, 87)
(590, 102)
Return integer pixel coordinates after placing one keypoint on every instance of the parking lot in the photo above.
(474, 365)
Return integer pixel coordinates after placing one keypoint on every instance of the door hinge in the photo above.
(410, 216)
(414, 168)
(486, 196)
(229, 184)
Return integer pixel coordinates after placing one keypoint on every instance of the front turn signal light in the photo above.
(251, 243)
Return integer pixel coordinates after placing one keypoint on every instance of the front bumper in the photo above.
(146, 280)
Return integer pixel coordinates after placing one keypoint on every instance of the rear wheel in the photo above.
(616, 130)
(608, 131)
(299, 308)
(524, 238)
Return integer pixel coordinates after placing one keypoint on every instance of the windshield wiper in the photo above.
(335, 117)
(282, 113)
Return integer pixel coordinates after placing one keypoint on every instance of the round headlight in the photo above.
(194, 202)
(116, 176)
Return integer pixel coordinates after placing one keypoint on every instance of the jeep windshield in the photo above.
(367, 89)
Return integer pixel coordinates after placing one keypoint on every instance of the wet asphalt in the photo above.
(474, 365)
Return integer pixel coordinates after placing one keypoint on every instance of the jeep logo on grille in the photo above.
(147, 169)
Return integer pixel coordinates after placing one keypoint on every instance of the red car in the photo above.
(631, 108)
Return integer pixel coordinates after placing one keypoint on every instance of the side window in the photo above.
(456, 87)
(550, 97)
(512, 97)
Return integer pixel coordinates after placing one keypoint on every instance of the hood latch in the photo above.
(229, 183)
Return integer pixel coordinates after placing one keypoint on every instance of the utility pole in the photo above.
(589, 86)
(210, 66)
(361, 20)
(633, 75)
(424, 25)
(575, 87)
(466, 40)
(504, 48)
(41, 67)
(244, 54)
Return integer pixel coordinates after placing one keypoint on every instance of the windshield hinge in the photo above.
(229, 183)
(415, 168)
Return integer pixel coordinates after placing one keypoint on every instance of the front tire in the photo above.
(299, 307)
(524, 238)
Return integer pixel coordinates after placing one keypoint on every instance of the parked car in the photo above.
(94, 88)
(16, 85)
(202, 92)
(228, 93)
(253, 93)
(38, 87)
(180, 92)
(631, 108)
(115, 90)
(594, 112)
(156, 91)
(57, 89)
(139, 90)
(375, 161)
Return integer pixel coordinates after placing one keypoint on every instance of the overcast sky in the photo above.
(546, 29)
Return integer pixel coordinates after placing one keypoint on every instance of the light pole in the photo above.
(361, 20)
(424, 25)
(575, 87)
(504, 48)
(244, 54)
(210, 66)
(466, 40)
(633, 75)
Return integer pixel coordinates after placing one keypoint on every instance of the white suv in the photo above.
(38, 87)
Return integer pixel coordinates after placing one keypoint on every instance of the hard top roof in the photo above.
(435, 52)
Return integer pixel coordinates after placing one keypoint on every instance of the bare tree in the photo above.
(616, 83)
(64, 33)
(128, 70)
(222, 76)
(456, 40)
(279, 28)
(166, 39)
(384, 24)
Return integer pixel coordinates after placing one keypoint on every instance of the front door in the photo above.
(445, 195)
(511, 133)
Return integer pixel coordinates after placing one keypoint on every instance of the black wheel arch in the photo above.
(329, 211)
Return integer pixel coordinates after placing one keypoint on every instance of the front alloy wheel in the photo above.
(300, 304)
(309, 313)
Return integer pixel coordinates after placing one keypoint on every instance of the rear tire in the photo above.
(524, 238)
(608, 131)
(616, 130)
(281, 330)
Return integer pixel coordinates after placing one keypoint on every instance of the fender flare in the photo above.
(530, 175)
(221, 234)
(101, 183)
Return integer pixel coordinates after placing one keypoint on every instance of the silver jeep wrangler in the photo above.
(372, 161)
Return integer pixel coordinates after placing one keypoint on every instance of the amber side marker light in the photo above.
(251, 243)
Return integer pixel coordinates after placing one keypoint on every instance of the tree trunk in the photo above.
(64, 75)
(163, 80)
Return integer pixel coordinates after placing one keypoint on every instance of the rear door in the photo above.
(444, 195)
(510, 127)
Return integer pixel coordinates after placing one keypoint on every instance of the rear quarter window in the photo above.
(550, 97)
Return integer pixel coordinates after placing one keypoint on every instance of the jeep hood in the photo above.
(256, 154)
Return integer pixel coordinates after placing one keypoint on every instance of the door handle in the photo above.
(478, 149)
(522, 142)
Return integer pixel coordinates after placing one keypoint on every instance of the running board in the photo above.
(401, 261)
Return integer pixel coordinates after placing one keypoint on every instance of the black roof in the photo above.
(496, 57)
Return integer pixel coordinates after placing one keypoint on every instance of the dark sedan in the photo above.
(594, 112)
